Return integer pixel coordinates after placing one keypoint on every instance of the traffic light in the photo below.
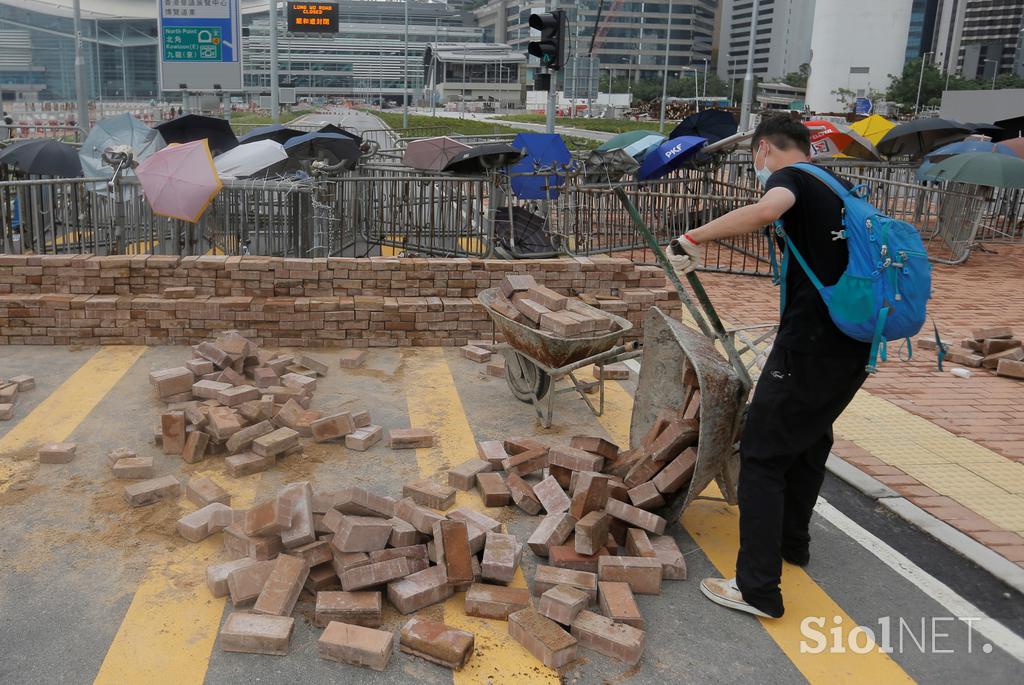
(550, 48)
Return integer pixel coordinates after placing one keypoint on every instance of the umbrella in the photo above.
(919, 137)
(432, 154)
(180, 181)
(1010, 128)
(640, 149)
(873, 127)
(524, 233)
(331, 128)
(829, 140)
(275, 132)
(249, 158)
(981, 168)
(625, 139)
(191, 127)
(608, 166)
(544, 152)
(985, 129)
(123, 132)
(669, 156)
(711, 124)
(334, 148)
(963, 147)
(1015, 144)
(43, 157)
(484, 158)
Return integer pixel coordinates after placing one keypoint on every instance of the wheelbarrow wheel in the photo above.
(525, 379)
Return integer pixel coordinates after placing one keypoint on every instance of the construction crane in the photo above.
(601, 30)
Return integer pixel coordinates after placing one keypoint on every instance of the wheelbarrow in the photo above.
(678, 363)
(535, 359)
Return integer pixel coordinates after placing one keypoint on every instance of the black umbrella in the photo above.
(333, 148)
(331, 128)
(275, 132)
(190, 127)
(484, 158)
(527, 233)
(919, 137)
(43, 157)
(984, 129)
(711, 124)
(1010, 128)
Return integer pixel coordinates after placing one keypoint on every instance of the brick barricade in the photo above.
(336, 302)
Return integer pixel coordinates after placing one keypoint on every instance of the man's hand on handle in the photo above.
(684, 255)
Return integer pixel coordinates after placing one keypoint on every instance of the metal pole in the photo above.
(696, 94)
(433, 81)
(920, 82)
(405, 70)
(705, 93)
(995, 71)
(552, 101)
(275, 92)
(748, 77)
(83, 106)
(664, 74)
(465, 50)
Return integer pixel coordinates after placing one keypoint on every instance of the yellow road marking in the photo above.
(715, 527)
(170, 627)
(434, 403)
(57, 416)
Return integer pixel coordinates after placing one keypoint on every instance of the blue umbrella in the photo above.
(639, 149)
(669, 156)
(960, 148)
(544, 152)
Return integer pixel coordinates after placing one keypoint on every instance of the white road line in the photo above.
(998, 634)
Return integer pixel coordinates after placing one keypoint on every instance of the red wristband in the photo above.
(688, 237)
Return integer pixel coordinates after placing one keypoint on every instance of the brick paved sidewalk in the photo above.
(954, 447)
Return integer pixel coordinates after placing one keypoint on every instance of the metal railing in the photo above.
(385, 208)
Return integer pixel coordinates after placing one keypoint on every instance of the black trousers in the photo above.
(785, 442)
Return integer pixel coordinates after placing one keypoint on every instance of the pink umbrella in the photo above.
(180, 181)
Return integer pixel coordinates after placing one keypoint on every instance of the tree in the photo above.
(903, 88)
(798, 78)
(846, 96)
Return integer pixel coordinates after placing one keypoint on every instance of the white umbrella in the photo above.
(249, 158)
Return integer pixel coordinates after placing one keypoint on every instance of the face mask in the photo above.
(763, 173)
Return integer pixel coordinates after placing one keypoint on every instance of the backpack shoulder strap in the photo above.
(825, 177)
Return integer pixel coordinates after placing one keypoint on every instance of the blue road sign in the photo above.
(200, 44)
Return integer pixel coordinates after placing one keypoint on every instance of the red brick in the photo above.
(351, 359)
(618, 603)
(436, 642)
(546, 577)
(574, 459)
(428, 493)
(238, 394)
(203, 491)
(476, 518)
(171, 381)
(615, 640)
(522, 494)
(333, 427)
(553, 530)
(242, 440)
(134, 468)
(259, 547)
(195, 447)
(590, 494)
(296, 502)
(198, 525)
(410, 438)
(501, 557)
(637, 517)
(172, 426)
(638, 544)
(595, 445)
(364, 438)
(151, 491)
(642, 573)
(542, 637)
(410, 551)
(592, 532)
(493, 490)
(356, 645)
(256, 634)
(612, 372)
(360, 533)
(246, 583)
(492, 452)
(247, 463)
(371, 575)
(315, 553)
(551, 495)
(357, 608)
(517, 283)
(420, 589)
(463, 476)
(562, 603)
(678, 473)
(421, 518)
(527, 462)
(453, 542)
(566, 556)
(217, 574)
(495, 601)
(276, 442)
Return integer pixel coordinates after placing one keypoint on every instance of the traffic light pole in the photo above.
(552, 100)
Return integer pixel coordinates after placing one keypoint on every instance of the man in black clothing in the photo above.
(810, 376)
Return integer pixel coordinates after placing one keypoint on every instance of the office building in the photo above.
(782, 43)
(630, 37)
(977, 39)
(922, 28)
(854, 49)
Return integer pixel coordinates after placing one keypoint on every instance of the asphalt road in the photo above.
(93, 590)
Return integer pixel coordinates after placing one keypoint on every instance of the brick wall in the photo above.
(83, 299)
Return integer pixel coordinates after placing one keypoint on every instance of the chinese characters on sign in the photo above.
(312, 17)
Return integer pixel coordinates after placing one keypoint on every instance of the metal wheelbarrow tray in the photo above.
(534, 358)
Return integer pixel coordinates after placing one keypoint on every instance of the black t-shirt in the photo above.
(805, 325)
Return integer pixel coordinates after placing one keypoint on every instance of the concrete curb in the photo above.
(998, 566)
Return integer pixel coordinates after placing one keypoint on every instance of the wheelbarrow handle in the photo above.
(711, 326)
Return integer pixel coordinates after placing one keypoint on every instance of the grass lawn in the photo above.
(470, 127)
(604, 125)
(246, 121)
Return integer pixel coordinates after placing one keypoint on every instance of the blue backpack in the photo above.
(883, 293)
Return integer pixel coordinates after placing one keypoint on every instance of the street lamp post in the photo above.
(705, 93)
(696, 80)
(748, 77)
(995, 70)
(664, 74)
(920, 82)
(405, 71)
(83, 107)
(275, 92)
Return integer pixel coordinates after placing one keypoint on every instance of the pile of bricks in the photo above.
(995, 349)
(522, 300)
(352, 550)
(326, 302)
(9, 391)
(246, 404)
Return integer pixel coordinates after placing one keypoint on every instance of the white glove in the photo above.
(689, 260)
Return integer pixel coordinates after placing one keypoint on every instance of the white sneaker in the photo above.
(723, 591)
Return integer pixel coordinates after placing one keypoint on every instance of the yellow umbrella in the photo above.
(873, 127)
